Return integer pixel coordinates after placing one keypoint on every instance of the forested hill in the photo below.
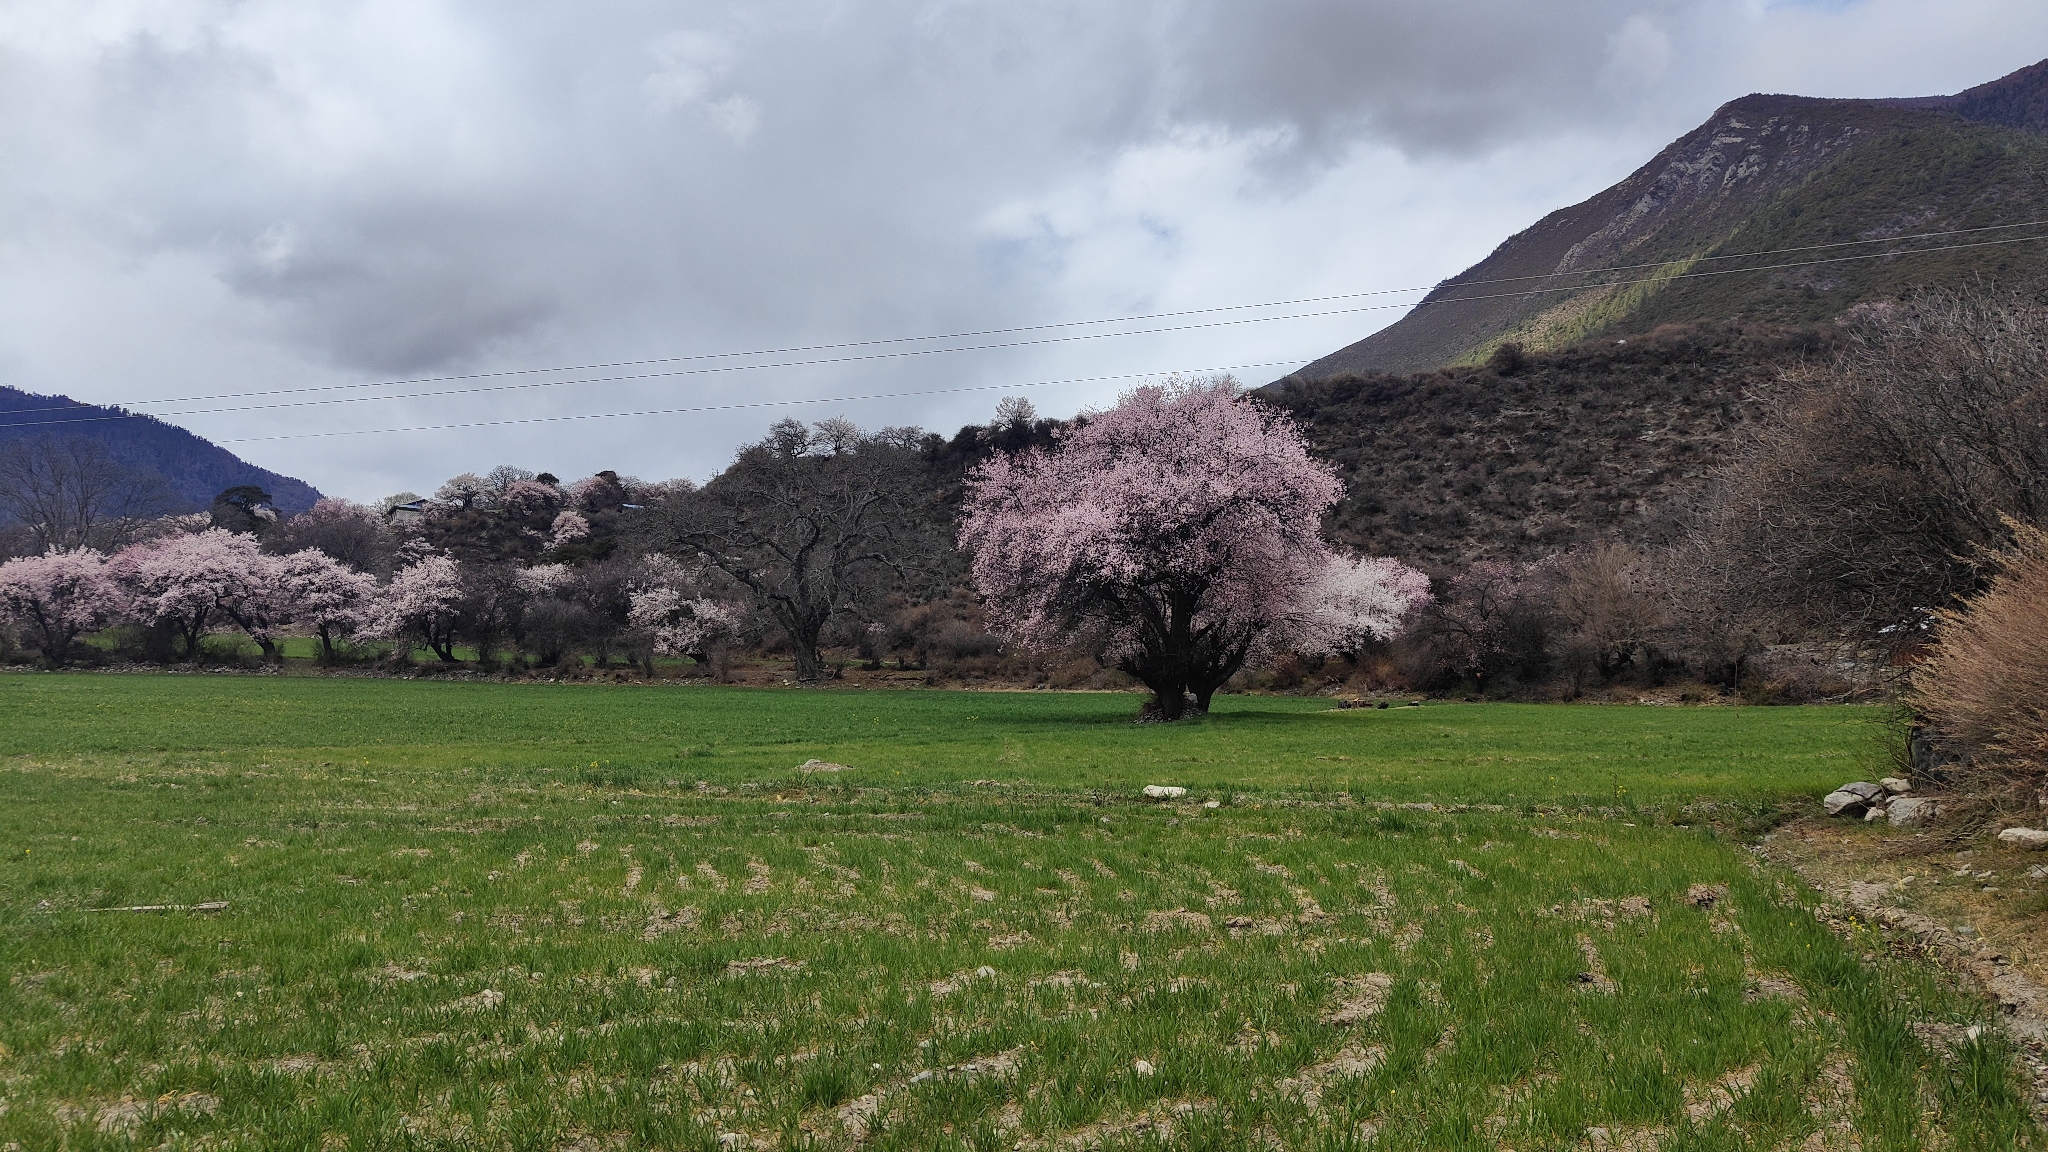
(1527, 456)
(195, 469)
(1763, 174)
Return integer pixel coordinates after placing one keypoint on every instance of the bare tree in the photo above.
(813, 523)
(1885, 476)
(1604, 610)
(71, 493)
(351, 533)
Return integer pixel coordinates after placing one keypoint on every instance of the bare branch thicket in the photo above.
(814, 524)
(1607, 612)
(1984, 684)
(1882, 479)
(71, 493)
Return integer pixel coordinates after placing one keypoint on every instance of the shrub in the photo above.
(1984, 685)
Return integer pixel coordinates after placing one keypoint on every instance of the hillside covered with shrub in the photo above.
(1534, 453)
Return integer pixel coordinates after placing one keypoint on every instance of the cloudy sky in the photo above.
(316, 200)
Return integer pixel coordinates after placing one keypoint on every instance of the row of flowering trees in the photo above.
(191, 584)
(1177, 535)
(186, 584)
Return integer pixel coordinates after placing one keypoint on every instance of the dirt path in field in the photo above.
(1978, 909)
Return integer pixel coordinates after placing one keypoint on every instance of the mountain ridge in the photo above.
(193, 467)
(1763, 174)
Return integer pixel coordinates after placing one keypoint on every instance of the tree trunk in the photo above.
(809, 668)
(192, 633)
(803, 629)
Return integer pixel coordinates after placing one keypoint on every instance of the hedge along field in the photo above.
(506, 916)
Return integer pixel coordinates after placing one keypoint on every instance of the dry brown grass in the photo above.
(1985, 685)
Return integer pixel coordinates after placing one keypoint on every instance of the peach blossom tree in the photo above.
(322, 593)
(1180, 530)
(423, 602)
(59, 597)
(187, 582)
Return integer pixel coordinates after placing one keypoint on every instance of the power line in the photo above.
(746, 405)
(673, 373)
(963, 335)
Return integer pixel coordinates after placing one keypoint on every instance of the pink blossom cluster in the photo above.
(1357, 599)
(568, 526)
(1182, 528)
(682, 625)
(59, 597)
(423, 602)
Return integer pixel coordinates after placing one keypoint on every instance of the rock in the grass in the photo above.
(1164, 792)
(1896, 786)
(2038, 872)
(1874, 815)
(816, 765)
(1844, 803)
(1912, 812)
(728, 1141)
(1142, 1067)
(1212, 804)
(2024, 838)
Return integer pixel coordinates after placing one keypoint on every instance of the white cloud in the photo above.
(1638, 55)
(690, 69)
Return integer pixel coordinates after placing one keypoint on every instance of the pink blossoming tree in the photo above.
(59, 597)
(187, 582)
(1181, 528)
(678, 624)
(324, 594)
(1357, 599)
(567, 528)
(423, 602)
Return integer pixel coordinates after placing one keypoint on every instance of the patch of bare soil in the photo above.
(1976, 909)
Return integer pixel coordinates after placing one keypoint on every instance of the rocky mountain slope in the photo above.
(195, 469)
(1763, 174)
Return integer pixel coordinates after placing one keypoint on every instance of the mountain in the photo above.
(195, 469)
(1765, 174)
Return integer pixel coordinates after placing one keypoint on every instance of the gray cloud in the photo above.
(210, 196)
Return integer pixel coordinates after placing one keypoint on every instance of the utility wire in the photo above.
(734, 407)
(1024, 343)
(795, 349)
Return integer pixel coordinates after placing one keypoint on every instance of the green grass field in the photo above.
(584, 916)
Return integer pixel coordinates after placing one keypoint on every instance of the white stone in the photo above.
(732, 1140)
(2024, 838)
(1164, 792)
(1844, 804)
(1912, 811)
(1895, 786)
(1874, 815)
(1142, 1067)
(985, 973)
(1212, 803)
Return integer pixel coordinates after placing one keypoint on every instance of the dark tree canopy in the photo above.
(815, 523)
